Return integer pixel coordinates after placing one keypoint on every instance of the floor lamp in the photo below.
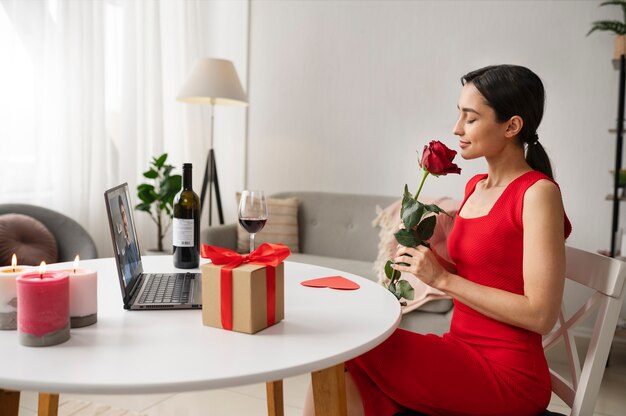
(214, 82)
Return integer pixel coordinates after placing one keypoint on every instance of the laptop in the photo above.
(144, 291)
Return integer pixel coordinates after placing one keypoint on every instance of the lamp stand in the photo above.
(210, 178)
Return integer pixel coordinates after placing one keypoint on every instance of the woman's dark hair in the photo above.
(513, 90)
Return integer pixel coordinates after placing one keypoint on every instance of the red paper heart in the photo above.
(333, 282)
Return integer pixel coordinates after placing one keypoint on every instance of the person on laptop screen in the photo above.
(127, 247)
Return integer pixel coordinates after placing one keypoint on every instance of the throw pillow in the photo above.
(388, 220)
(29, 239)
(281, 226)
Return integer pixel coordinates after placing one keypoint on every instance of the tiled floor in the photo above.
(250, 400)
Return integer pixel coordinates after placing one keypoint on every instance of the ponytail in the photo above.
(538, 159)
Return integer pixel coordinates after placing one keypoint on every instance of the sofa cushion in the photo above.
(281, 226)
(388, 222)
(28, 238)
(422, 322)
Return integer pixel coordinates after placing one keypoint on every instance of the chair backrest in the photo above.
(605, 276)
(71, 237)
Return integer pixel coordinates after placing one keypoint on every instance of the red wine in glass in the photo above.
(252, 225)
(252, 213)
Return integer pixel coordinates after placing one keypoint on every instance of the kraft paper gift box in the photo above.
(251, 297)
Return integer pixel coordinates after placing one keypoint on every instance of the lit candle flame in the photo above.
(14, 261)
(42, 269)
(76, 263)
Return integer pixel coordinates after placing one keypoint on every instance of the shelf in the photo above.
(615, 131)
(610, 198)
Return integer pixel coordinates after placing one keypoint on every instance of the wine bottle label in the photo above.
(182, 233)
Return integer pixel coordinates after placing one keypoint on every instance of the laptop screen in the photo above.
(123, 235)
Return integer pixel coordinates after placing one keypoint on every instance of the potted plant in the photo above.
(157, 197)
(615, 26)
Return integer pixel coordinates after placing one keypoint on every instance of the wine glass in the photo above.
(252, 213)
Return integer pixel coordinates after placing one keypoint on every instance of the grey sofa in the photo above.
(335, 230)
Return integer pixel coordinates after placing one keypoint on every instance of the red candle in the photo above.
(43, 305)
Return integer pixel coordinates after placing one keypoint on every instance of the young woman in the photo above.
(508, 250)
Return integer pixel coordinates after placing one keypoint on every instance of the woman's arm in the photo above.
(448, 266)
(543, 268)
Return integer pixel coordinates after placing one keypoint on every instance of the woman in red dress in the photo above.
(506, 278)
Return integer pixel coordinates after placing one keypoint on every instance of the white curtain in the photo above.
(162, 39)
(87, 98)
(53, 102)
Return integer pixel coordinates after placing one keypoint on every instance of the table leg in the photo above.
(9, 402)
(275, 406)
(48, 404)
(329, 391)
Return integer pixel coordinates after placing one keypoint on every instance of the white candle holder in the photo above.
(8, 295)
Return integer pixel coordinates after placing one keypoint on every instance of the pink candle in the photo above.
(43, 304)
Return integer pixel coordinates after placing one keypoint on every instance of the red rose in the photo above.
(437, 159)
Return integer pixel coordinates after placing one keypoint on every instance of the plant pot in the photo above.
(619, 46)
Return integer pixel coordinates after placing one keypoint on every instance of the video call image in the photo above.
(124, 233)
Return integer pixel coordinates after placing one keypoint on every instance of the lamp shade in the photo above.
(213, 81)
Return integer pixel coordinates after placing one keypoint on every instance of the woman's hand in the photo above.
(422, 263)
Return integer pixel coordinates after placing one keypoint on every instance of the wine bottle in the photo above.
(186, 230)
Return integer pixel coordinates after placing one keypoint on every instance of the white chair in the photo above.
(606, 277)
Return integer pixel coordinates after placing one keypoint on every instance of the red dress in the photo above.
(482, 366)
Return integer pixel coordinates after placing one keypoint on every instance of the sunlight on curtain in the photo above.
(53, 98)
(19, 110)
(88, 96)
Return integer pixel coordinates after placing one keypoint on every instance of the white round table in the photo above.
(135, 352)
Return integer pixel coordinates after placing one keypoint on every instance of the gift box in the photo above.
(243, 293)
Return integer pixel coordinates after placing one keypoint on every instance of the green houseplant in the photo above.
(615, 26)
(157, 197)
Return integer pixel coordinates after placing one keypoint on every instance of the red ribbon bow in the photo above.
(269, 255)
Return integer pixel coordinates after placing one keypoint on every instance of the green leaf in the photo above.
(391, 273)
(426, 228)
(167, 170)
(407, 202)
(413, 213)
(406, 191)
(392, 288)
(406, 290)
(170, 187)
(613, 3)
(407, 238)
(161, 160)
(614, 26)
(398, 293)
(143, 187)
(405, 198)
(434, 208)
(147, 194)
(151, 174)
(143, 207)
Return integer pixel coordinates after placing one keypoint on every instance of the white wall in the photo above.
(343, 92)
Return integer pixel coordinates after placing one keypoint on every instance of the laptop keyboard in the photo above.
(167, 288)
